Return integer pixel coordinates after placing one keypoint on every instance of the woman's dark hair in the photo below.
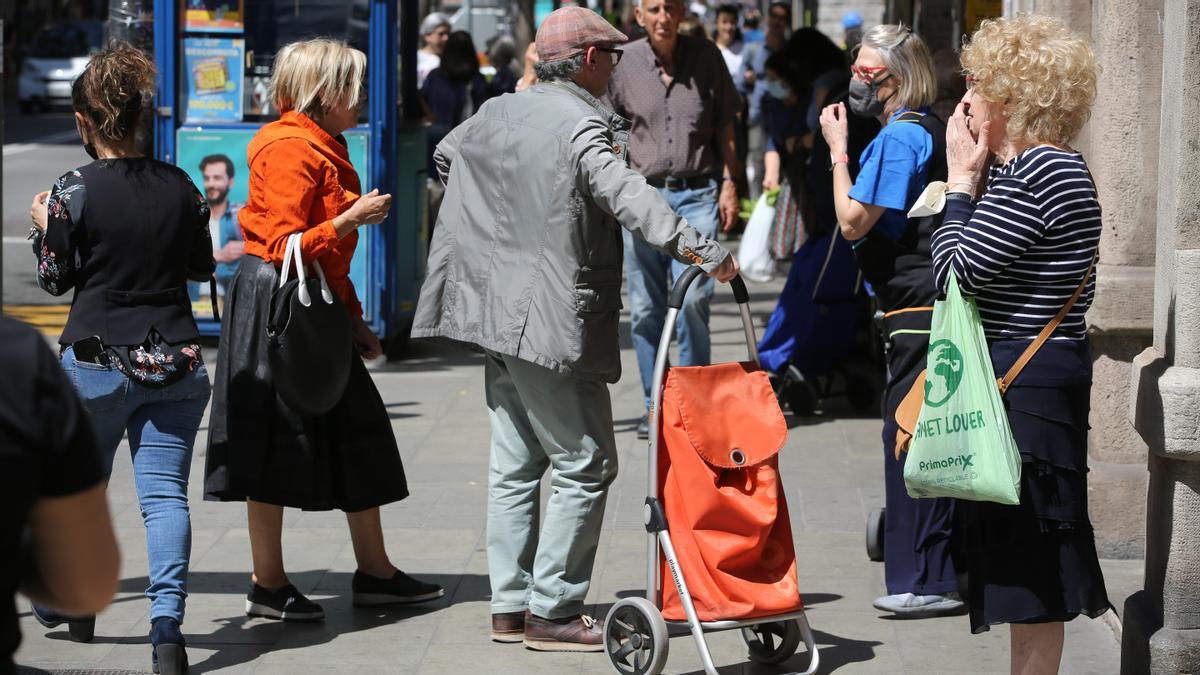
(459, 60)
(813, 54)
(785, 66)
(112, 90)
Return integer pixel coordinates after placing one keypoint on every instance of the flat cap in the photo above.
(571, 30)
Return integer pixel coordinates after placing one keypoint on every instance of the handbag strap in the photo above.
(212, 294)
(1026, 356)
(292, 256)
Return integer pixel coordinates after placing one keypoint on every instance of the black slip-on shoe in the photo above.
(167, 653)
(643, 427)
(81, 628)
(285, 604)
(372, 591)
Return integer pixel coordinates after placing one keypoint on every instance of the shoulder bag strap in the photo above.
(1006, 381)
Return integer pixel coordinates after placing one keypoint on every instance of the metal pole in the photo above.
(2, 79)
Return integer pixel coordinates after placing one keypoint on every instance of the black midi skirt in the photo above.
(1036, 562)
(260, 449)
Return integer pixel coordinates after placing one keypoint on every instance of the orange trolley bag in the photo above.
(720, 548)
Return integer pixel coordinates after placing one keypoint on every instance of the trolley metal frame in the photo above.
(658, 536)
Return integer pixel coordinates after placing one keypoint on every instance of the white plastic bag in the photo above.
(754, 253)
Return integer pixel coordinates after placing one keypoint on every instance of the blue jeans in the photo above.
(650, 274)
(162, 424)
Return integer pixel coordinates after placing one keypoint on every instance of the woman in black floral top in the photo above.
(126, 233)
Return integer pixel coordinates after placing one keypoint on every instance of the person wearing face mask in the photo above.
(126, 233)
(892, 81)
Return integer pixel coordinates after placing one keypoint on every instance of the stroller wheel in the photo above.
(635, 637)
(773, 642)
(875, 523)
(799, 393)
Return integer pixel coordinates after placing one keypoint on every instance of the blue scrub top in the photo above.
(893, 172)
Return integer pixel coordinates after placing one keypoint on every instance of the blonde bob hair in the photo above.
(907, 59)
(315, 76)
(1043, 72)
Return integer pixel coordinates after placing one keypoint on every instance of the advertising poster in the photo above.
(215, 75)
(216, 162)
(214, 16)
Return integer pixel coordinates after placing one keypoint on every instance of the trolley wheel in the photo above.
(799, 393)
(875, 522)
(773, 642)
(635, 637)
(860, 391)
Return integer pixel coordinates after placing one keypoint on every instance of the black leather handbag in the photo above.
(309, 345)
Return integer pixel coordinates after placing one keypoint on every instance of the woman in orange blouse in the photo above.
(259, 450)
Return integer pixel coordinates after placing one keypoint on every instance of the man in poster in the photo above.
(223, 224)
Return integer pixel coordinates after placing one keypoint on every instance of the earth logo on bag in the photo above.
(945, 374)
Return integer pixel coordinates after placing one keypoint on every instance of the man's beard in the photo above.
(219, 200)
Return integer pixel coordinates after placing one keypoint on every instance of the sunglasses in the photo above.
(866, 73)
(616, 54)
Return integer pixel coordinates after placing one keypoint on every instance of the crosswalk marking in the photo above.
(49, 319)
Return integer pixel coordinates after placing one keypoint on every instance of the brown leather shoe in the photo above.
(509, 626)
(579, 633)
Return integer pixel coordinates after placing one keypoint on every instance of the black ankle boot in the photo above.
(167, 655)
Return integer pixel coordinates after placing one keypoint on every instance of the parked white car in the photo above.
(57, 55)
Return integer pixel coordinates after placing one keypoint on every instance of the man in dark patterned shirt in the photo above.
(681, 100)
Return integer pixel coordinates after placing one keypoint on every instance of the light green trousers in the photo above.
(543, 420)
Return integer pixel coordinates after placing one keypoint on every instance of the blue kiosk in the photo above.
(215, 59)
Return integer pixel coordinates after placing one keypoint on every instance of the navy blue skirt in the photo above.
(1036, 562)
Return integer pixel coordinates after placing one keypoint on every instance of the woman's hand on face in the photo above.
(966, 156)
(835, 128)
(37, 211)
(365, 342)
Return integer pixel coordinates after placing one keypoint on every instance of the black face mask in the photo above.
(864, 98)
(90, 149)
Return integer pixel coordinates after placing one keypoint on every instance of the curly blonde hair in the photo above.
(1041, 70)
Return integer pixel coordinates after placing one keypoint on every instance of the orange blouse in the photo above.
(300, 179)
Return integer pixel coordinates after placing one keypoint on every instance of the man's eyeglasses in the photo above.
(866, 73)
(616, 54)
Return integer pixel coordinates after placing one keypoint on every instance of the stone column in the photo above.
(1121, 144)
(1162, 622)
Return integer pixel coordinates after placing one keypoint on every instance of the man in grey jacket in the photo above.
(525, 264)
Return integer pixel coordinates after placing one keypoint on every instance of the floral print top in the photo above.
(154, 361)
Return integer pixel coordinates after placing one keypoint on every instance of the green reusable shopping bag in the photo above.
(962, 446)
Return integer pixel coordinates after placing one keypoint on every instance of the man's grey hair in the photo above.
(562, 69)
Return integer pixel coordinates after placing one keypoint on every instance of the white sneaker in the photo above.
(910, 605)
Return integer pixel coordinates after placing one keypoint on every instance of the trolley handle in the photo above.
(740, 295)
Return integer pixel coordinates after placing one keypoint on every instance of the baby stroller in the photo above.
(818, 334)
(716, 512)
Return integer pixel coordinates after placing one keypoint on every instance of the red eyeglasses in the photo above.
(866, 73)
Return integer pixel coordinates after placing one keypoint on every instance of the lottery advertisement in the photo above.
(213, 68)
(215, 159)
(214, 16)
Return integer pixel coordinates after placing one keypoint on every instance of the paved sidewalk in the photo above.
(832, 473)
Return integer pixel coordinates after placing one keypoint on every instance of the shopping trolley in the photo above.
(635, 630)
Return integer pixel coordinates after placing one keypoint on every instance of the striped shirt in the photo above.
(1024, 247)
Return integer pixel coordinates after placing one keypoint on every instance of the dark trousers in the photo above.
(917, 532)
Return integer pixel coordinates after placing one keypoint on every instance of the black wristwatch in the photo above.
(962, 196)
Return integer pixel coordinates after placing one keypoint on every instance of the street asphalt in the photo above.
(831, 469)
